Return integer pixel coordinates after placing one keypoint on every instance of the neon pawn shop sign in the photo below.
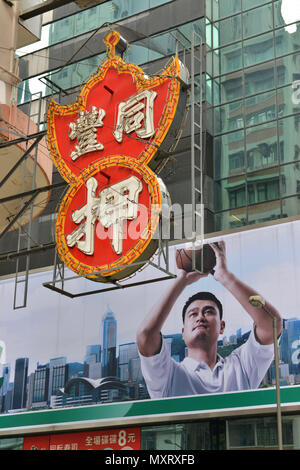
(106, 146)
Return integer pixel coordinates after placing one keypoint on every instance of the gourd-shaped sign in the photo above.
(107, 146)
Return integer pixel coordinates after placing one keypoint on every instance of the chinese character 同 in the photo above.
(85, 131)
(132, 112)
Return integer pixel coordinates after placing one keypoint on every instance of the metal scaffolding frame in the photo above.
(22, 278)
(197, 148)
(161, 264)
(186, 48)
(26, 206)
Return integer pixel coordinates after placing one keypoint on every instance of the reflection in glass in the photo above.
(260, 108)
(261, 147)
(241, 433)
(263, 186)
(230, 193)
(139, 53)
(286, 43)
(228, 59)
(229, 154)
(289, 139)
(258, 21)
(229, 30)
(222, 9)
(290, 179)
(75, 74)
(288, 69)
(231, 219)
(288, 101)
(192, 436)
(229, 117)
(208, 91)
(264, 212)
(93, 18)
(252, 3)
(285, 13)
(290, 206)
(261, 432)
(258, 49)
(11, 443)
(259, 78)
(88, 20)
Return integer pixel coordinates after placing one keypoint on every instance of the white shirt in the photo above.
(243, 369)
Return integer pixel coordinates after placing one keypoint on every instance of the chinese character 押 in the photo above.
(115, 204)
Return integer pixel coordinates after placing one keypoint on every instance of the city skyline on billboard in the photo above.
(55, 326)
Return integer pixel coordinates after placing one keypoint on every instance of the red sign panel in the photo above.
(36, 443)
(114, 439)
(105, 146)
(102, 248)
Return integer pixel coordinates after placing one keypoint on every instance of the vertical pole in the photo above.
(276, 357)
(259, 302)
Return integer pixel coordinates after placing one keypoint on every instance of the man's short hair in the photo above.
(203, 296)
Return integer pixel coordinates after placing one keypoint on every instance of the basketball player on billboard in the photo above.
(203, 370)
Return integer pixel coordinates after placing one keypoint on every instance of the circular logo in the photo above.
(108, 219)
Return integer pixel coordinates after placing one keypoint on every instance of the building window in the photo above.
(268, 190)
(236, 161)
(237, 198)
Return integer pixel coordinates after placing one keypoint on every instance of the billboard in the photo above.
(62, 353)
(116, 439)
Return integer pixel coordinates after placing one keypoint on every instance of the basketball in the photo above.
(184, 259)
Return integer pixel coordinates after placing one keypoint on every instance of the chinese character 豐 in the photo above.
(132, 112)
(85, 131)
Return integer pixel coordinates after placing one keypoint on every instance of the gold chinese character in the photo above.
(132, 112)
(85, 131)
(116, 203)
(119, 202)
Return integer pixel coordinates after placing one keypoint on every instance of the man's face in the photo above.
(202, 323)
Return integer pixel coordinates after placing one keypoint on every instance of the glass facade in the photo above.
(257, 433)
(251, 88)
(88, 20)
(252, 71)
(252, 103)
(158, 46)
(256, 112)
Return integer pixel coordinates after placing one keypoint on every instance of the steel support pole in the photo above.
(259, 302)
(276, 358)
